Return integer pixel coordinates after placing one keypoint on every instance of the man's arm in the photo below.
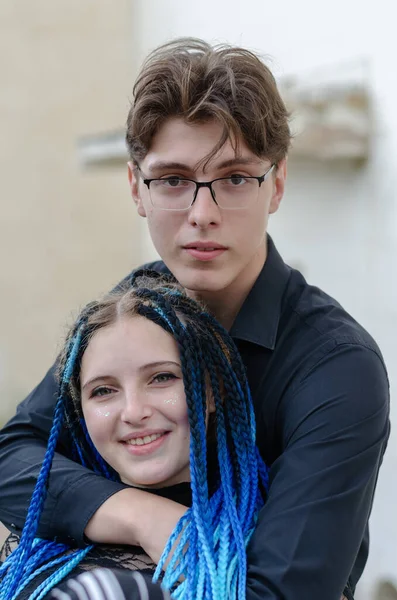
(134, 516)
(334, 425)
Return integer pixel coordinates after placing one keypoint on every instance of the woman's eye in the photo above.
(101, 391)
(163, 377)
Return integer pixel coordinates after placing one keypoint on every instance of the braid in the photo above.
(229, 479)
(98, 464)
(235, 423)
(73, 560)
(192, 369)
(163, 314)
(21, 565)
(217, 527)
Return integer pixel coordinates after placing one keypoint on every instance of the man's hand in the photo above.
(135, 517)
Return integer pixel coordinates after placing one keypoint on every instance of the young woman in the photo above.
(154, 394)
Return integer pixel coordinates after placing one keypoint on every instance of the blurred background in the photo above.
(69, 230)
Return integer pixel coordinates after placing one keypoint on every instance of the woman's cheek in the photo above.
(99, 420)
(102, 412)
(171, 401)
(175, 407)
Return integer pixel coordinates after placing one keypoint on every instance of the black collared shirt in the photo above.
(321, 397)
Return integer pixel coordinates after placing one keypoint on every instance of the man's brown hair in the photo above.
(190, 79)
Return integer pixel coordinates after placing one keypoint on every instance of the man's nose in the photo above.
(204, 211)
(136, 407)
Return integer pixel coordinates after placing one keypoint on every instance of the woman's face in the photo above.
(134, 403)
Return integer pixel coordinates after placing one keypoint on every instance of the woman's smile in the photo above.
(143, 446)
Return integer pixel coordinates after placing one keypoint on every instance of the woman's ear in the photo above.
(133, 179)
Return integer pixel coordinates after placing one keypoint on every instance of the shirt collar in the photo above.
(258, 319)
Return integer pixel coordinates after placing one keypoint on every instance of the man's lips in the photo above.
(204, 251)
(205, 245)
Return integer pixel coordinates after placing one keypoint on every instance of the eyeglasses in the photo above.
(177, 193)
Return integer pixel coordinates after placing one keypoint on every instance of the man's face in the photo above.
(239, 234)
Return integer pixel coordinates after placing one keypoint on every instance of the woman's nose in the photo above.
(136, 407)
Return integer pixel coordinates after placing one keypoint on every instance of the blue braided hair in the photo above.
(206, 553)
(32, 554)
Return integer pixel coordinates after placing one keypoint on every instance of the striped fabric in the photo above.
(111, 584)
(107, 584)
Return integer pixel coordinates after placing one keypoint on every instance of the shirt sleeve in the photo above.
(334, 426)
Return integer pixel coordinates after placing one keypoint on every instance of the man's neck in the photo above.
(225, 304)
(224, 311)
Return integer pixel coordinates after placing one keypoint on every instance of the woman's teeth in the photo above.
(145, 440)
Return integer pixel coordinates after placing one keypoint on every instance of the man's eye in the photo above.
(237, 179)
(101, 391)
(171, 182)
(163, 377)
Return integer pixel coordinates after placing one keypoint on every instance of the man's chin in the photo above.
(200, 282)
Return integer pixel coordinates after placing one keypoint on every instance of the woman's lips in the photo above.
(145, 448)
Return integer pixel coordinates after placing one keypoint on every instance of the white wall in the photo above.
(338, 224)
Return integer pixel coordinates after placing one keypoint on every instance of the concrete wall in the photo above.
(338, 223)
(66, 70)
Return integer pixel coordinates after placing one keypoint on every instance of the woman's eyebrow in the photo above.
(94, 380)
(160, 363)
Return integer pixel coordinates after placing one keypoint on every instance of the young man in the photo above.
(208, 137)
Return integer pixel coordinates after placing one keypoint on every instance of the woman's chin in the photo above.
(154, 481)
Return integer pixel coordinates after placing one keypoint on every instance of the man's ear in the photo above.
(133, 179)
(278, 185)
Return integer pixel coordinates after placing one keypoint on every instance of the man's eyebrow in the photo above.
(164, 165)
(230, 162)
(239, 160)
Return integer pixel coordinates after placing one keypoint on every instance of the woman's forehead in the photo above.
(132, 340)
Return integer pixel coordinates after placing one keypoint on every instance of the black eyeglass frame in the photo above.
(205, 184)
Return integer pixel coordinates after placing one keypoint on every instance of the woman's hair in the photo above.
(190, 79)
(209, 560)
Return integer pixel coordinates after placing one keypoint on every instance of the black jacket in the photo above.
(321, 398)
